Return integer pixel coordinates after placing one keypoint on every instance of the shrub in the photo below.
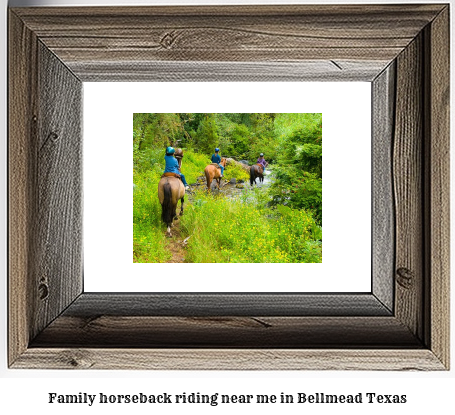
(148, 236)
(230, 230)
(299, 190)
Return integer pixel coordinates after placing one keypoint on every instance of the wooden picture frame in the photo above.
(402, 324)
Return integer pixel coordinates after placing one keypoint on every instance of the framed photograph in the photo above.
(400, 323)
(244, 226)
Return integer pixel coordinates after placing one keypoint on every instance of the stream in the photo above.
(231, 190)
(236, 189)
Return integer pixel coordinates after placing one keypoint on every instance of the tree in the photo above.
(299, 168)
(207, 134)
(240, 141)
(156, 129)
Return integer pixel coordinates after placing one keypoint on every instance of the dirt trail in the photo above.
(175, 245)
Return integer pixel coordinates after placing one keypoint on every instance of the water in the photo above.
(235, 190)
(231, 190)
(267, 179)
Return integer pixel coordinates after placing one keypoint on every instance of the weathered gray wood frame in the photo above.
(403, 50)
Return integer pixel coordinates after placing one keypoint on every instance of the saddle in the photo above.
(171, 175)
(216, 165)
(261, 166)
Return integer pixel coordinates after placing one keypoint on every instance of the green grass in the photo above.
(193, 165)
(232, 230)
(221, 229)
(149, 242)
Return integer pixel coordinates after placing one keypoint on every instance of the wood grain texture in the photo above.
(44, 188)
(235, 359)
(227, 34)
(89, 305)
(226, 332)
(383, 214)
(53, 49)
(22, 94)
(57, 271)
(438, 165)
(315, 70)
(408, 188)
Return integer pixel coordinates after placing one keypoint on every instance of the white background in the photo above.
(108, 208)
(25, 391)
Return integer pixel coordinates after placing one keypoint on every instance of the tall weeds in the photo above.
(241, 229)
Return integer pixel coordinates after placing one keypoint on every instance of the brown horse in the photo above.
(213, 171)
(256, 171)
(170, 190)
(179, 155)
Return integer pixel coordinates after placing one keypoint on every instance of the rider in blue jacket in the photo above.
(216, 158)
(172, 165)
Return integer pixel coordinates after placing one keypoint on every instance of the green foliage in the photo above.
(297, 189)
(240, 141)
(280, 224)
(193, 165)
(149, 244)
(224, 230)
(234, 171)
(156, 130)
(298, 170)
(207, 134)
(309, 157)
(265, 138)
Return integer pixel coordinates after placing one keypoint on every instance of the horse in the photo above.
(256, 171)
(213, 171)
(170, 190)
(179, 155)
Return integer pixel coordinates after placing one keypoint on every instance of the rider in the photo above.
(172, 165)
(262, 161)
(216, 158)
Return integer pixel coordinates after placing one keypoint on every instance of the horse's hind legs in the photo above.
(181, 205)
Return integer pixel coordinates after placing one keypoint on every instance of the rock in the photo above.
(233, 181)
(243, 163)
(239, 186)
(240, 181)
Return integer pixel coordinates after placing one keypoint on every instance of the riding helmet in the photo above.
(261, 155)
(216, 150)
(170, 150)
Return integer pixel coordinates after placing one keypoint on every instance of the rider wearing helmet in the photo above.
(262, 161)
(172, 165)
(216, 158)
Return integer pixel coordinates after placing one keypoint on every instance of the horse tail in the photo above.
(166, 212)
(252, 171)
